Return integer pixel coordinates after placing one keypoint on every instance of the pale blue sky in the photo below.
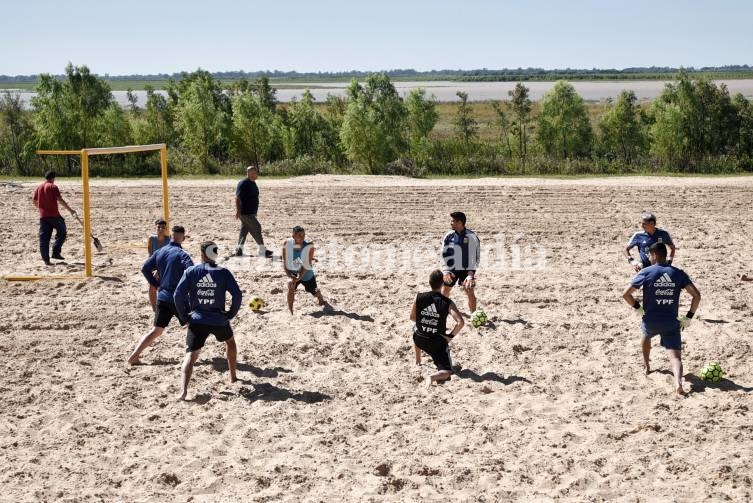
(156, 36)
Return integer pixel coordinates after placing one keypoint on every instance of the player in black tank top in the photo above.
(430, 311)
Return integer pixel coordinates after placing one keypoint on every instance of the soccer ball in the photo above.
(712, 371)
(478, 318)
(255, 303)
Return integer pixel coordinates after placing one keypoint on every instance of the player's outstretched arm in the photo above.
(413, 312)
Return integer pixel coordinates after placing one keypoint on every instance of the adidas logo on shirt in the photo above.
(206, 282)
(664, 281)
(430, 310)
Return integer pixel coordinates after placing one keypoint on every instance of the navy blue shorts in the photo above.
(670, 337)
(458, 278)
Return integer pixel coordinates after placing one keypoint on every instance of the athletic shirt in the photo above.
(201, 292)
(470, 251)
(661, 285)
(46, 196)
(643, 240)
(248, 192)
(295, 260)
(170, 261)
(431, 314)
(155, 243)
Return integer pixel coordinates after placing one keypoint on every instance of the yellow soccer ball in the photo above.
(256, 303)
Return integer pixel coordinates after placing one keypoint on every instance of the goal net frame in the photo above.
(85, 154)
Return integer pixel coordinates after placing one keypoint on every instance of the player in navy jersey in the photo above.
(168, 262)
(651, 234)
(297, 261)
(200, 300)
(662, 284)
(461, 252)
(430, 334)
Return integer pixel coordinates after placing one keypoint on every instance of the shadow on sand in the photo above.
(339, 312)
(490, 376)
(698, 385)
(220, 365)
(270, 392)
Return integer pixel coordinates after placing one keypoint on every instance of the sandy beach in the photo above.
(551, 402)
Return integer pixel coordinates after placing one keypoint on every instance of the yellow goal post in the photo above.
(85, 154)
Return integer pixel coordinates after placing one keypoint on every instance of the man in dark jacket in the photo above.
(246, 208)
(169, 261)
(200, 299)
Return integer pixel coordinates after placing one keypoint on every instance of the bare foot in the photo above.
(134, 360)
(680, 392)
(182, 396)
(233, 379)
(647, 368)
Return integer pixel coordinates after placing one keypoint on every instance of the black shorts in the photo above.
(197, 335)
(310, 285)
(437, 348)
(164, 313)
(459, 277)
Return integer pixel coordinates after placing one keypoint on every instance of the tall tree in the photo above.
(256, 130)
(65, 113)
(744, 142)
(503, 124)
(304, 124)
(422, 114)
(16, 133)
(564, 128)
(158, 122)
(521, 106)
(466, 126)
(699, 116)
(622, 133)
(373, 125)
(201, 124)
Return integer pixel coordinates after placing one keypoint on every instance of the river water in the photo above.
(481, 91)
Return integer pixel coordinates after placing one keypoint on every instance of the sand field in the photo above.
(550, 403)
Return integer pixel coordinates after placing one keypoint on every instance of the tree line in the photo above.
(695, 126)
(485, 74)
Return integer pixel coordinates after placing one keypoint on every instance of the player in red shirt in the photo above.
(46, 199)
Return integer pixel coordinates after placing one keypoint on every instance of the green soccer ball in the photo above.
(478, 318)
(256, 303)
(712, 371)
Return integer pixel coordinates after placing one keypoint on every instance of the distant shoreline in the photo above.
(313, 80)
(593, 91)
